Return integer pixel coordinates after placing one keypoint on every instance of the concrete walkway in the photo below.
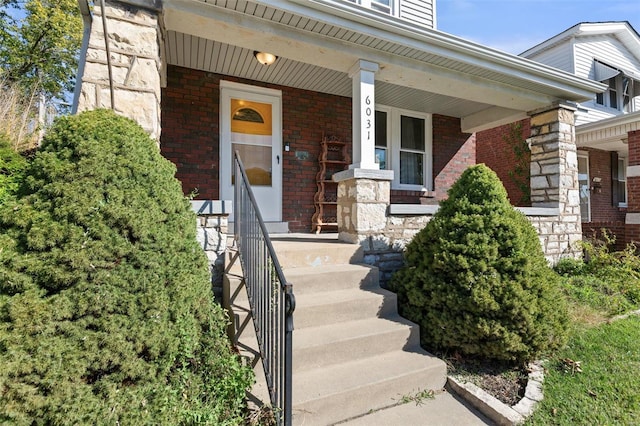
(443, 410)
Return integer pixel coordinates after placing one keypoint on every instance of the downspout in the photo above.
(106, 47)
(86, 19)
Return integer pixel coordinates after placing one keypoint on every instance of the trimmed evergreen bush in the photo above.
(476, 280)
(12, 166)
(106, 307)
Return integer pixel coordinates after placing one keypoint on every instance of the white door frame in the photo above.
(269, 200)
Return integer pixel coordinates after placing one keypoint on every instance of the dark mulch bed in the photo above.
(505, 381)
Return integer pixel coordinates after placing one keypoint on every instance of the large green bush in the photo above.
(476, 280)
(106, 310)
(12, 166)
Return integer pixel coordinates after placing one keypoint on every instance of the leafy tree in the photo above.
(106, 309)
(39, 44)
(476, 280)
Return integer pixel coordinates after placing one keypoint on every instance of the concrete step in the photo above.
(297, 253)
(316, 309)
(330, 394)
(315, 347)
(331, 277)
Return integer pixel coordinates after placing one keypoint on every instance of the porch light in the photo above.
(265, 58)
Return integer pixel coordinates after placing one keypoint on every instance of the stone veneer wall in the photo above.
(212, 229)
(385, 247)
(134, 45)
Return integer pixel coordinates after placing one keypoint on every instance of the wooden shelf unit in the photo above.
(333, 158)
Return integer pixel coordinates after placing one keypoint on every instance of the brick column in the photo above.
(363, 199)
(134, 44)
(554, 179)
(632, 221)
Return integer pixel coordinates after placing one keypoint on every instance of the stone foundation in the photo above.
(212, 231)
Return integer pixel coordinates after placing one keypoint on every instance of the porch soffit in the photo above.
(312, 49)
(608, 134)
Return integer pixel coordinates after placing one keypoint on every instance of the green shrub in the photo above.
(106, 310)
(12, 166)
(476, 280)
(569, 266)
(606, 280)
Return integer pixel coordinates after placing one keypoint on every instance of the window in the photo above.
(381, 139)
(403, 144)
(385, 6)
(584, 185)
(619, 94)
(622, 182)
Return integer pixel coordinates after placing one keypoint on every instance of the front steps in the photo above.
(353, 354)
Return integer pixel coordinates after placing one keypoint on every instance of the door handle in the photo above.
(278, 159)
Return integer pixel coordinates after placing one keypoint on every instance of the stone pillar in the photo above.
(363, 199)
(554, 178)
(632, 221)
(363, 116)
(134, 45)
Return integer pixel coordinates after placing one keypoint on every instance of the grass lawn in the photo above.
(607, 391)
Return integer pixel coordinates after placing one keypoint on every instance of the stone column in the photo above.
(554, 179)
(632, 221)
(363, 199)
(134, 45)
(363, 117)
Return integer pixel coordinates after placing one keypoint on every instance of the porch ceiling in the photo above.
(318, 41)
(189, 51)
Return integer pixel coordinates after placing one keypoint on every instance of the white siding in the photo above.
(560, 56)
(593, 113)
(419, 12)
(606, 49)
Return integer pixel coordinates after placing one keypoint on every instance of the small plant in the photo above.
(418, 397)
(476, 280)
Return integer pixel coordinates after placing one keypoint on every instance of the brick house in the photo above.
(607, 125)
(406, 98)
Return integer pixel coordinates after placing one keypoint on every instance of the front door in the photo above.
(250, 123)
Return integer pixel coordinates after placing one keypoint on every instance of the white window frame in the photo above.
(394, 147)
(622, 177)
(585, 155)
(393, 9)
(619, 91)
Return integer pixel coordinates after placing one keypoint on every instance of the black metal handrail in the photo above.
(270, 296)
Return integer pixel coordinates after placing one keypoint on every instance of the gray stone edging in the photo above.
(495, 409)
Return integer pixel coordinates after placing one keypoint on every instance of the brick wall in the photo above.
(190, 137)
(493, 151)
(453, 152)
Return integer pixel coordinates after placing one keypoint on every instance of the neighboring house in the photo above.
(376, 74)
(608, 52)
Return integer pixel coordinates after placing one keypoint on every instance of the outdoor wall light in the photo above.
(597, 185)
(265, 58)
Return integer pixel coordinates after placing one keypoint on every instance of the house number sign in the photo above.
(368, 114)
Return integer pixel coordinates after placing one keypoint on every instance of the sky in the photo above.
(514, 26)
